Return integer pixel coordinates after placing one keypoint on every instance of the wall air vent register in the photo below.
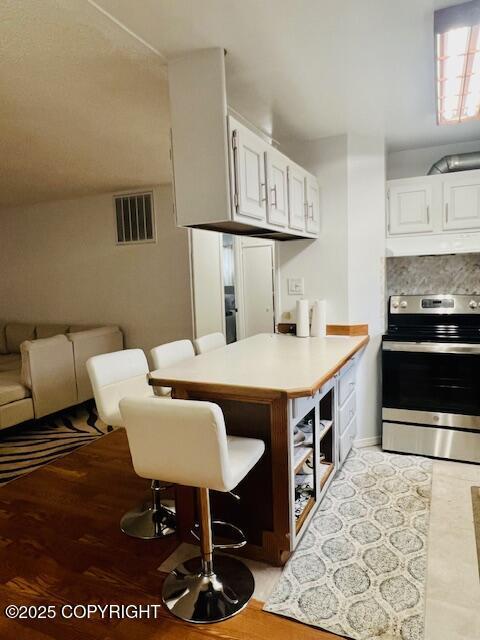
(135, 219)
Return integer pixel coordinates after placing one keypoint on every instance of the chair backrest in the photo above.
(169, 354)
(209, 342)
(114, 376)
(178, 441)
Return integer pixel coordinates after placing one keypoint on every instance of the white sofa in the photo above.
(42, 367)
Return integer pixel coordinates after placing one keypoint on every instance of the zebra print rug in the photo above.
(31, 445)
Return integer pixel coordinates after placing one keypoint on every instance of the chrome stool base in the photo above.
(150, 520)
(194, 596)
(147, 523)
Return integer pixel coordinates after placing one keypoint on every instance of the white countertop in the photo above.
(265, 362)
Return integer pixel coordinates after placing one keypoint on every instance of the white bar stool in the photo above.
(169, 354)
(184, 441)
(114, 376)
(209, 342)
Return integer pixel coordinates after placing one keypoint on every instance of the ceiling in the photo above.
(84, 106)
(84, 96)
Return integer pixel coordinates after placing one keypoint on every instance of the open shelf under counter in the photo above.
(325, 426)
(305, 513)
(301, 455)
(325, 471)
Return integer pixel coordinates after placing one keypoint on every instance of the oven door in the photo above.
(432, 377)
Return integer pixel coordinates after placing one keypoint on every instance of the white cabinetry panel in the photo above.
(296, 196)
(435, 214)
(409, 208)
(461, 203)
(220, 171)
(249, 164)
(312, 205)
(277, 184)
(347, 439)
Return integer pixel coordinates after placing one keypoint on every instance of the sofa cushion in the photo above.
(49, 330)
(10, 361)
(3, 340)
(16, 333)
(11, 389)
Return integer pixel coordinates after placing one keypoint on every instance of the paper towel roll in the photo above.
(319, 319)
(303, 325)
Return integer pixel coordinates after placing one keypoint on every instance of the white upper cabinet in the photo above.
(277, 188)
(409, 208)
(435, 214)
(312, 205)
(296, 197)
(226, 176)
(461, 197)
(249, 172)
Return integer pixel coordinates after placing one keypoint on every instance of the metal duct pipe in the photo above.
(459, 162)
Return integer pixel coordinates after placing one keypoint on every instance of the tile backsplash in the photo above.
(458, 273)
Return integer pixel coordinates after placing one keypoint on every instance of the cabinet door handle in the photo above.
(310, 206)
(274, 190)
(446, 212)
(236, 171)
(428, 214)
(263, 189)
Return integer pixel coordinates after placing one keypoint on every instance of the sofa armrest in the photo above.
(48, 370)
(90, 343)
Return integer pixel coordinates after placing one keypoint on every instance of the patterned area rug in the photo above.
(359, 570)
(28, 446)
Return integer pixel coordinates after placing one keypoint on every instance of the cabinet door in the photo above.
(409, 209)
(277, 187)
(461, 198)
(296, 198)
(249, 163)
(313, 205)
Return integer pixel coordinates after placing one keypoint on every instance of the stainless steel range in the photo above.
(431, 376)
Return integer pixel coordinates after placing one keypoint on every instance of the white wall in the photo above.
(313, 260)
(366, 273)
(208, 292)
(417, 162)
(59, 263)
(346, 265)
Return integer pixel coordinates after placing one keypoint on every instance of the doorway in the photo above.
(230, 306)
(255, 286)
(232, 284)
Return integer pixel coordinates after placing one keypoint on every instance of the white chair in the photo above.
(185, 442)
(169, 354)
(114, 376)
(209, 342)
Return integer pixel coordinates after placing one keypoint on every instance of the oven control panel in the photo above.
(435, 303)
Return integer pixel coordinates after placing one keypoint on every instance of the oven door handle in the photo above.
(431, 347)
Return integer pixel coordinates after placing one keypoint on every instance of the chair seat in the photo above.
(244, 453)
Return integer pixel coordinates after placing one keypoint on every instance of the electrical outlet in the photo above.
(295, 286)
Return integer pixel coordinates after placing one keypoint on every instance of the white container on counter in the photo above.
(303, 319)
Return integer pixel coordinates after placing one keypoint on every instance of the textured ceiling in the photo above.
(84, 106)
(314, 68)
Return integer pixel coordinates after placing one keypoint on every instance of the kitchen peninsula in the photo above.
(298, 396)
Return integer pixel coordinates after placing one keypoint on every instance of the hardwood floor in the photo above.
(60, 543)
